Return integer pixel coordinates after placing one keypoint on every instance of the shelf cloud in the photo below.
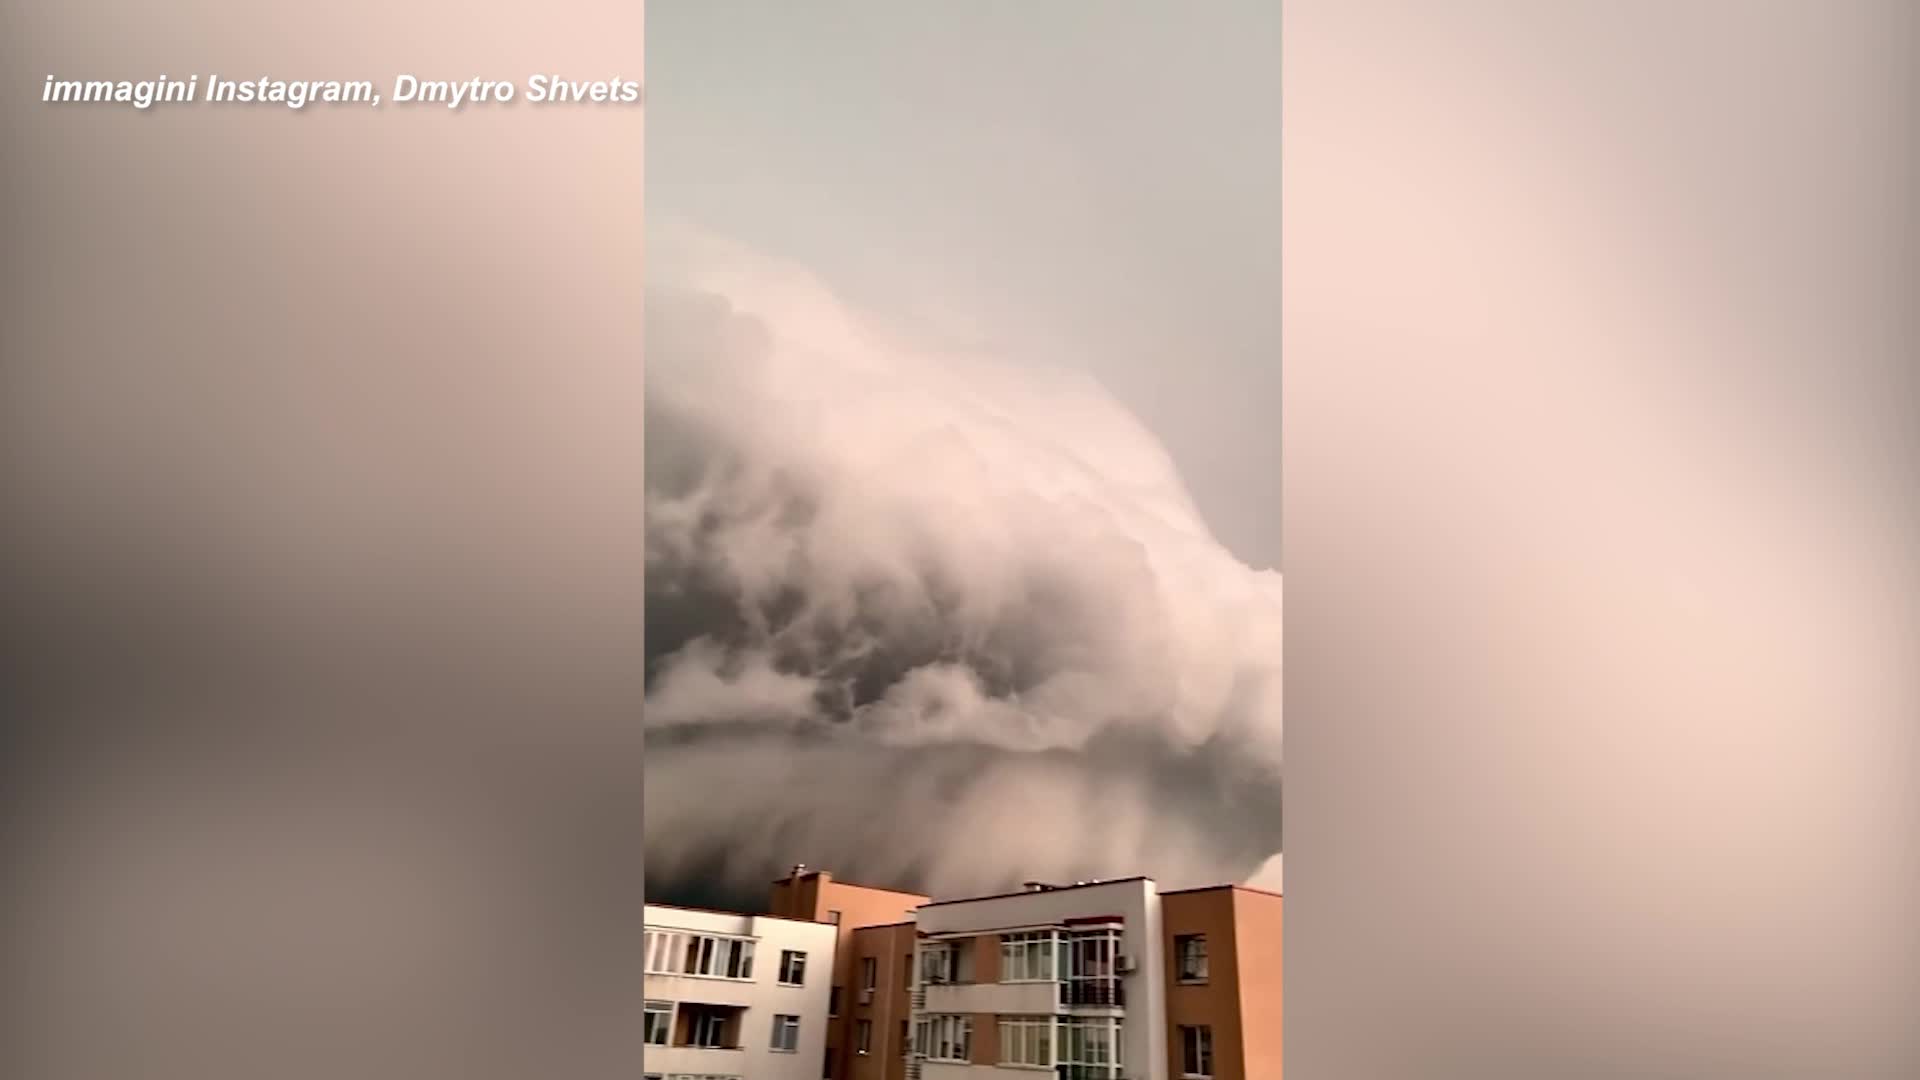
(926, 617)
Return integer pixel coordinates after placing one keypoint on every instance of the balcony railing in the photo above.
(1087, 1072)
(1100, 993)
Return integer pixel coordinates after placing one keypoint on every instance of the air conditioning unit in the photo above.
(866, 997)
(1125, 965)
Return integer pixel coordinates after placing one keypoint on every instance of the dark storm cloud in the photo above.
(928, 619)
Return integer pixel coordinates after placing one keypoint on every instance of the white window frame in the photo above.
(788, 1025)
(1029, 957)
(1027, 1041)
(1190, 958)
(1075, 1043)
(663, 1009)
(663, 946)
(939, 963)
(1197, 1038)
(700, 956)
(1093, 955)
(793, 967)
(739, 959)
(948, 1032)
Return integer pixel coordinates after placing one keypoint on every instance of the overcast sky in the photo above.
(1076, 183)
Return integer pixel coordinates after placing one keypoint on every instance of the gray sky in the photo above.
(1078, 183)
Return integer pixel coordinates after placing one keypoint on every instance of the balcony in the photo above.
(698, 1060)
(1093, 993)
(1087, 1072)
(706, 989)
(994, 997)
(1023, 997)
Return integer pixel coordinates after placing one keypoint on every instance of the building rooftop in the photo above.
(735, 914)
(800, 873)
(1038, 887)
(1216, 888)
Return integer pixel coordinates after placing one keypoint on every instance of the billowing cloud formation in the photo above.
(926, 618)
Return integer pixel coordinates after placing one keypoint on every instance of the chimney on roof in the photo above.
(799, 868)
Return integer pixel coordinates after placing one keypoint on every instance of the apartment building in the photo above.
(880, 1019)
(1099, 980)
(735, 997)
(1222, 948)
(1065, 978)
(851, 909)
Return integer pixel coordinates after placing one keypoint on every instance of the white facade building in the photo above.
(735, 997)
(1067, 978)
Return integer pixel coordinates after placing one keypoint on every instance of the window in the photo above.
(786, 1032)
(833, 1001)
(869, 973)
(700, 954)
(707, 1028)
(1196, 1051)
(863, 1037)
(1026, 1040)
(659, 1021)
(739, 960)
(944, 1038)
(660, 950)
(833, 917)
(1090, 1041)
(906, 1040)
(1191, 952)
(793, 968)
(1093, 954)
(939, 963)
(906, 971)
(666, 952)
(1027, 957)
(1091, 967)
